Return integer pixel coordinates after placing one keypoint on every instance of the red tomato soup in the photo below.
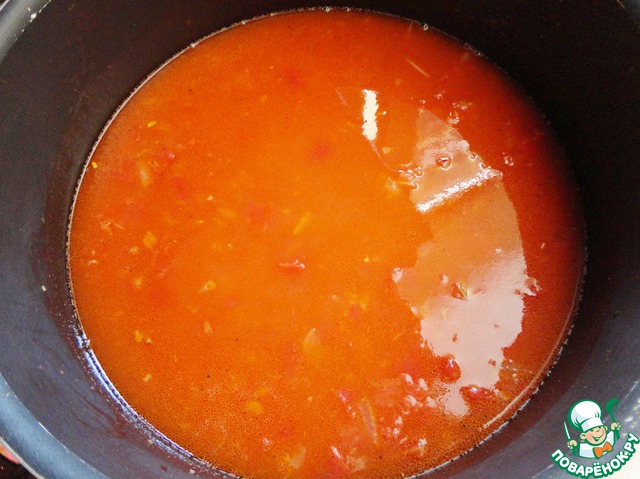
(326, 244)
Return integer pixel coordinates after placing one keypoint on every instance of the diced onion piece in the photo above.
(149, 240)
(254, 407)
(368, 418)
(302, 223)
(296, 459)
(208, 286)
(312, 345)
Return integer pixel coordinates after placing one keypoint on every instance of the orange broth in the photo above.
(326, 244)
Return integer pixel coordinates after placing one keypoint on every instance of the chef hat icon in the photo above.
(585, 415)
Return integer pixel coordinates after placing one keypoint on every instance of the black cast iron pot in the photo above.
(66, 65)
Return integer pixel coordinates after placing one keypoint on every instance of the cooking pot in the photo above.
(65, 66)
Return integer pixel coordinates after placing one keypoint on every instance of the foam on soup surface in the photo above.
(326, 244)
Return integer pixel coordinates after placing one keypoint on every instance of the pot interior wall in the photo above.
(64, 75)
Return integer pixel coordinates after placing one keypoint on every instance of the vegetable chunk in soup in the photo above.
(326, 244)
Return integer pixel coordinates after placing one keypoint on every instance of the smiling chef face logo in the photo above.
(596, 439)
(598, 444)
